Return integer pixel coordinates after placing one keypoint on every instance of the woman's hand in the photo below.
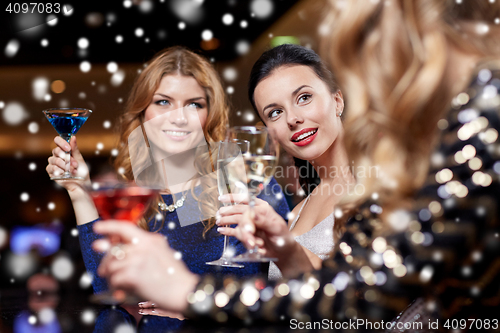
(268, 231)
(83, 205)
(145, 265)
(57, 165)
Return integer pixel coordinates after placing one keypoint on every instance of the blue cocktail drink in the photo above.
(67, 121)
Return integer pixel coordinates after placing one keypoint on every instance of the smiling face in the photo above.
(299, 110)
(175, 119)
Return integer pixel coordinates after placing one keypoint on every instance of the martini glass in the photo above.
(67, 121)
(260, 161)
(124, 201)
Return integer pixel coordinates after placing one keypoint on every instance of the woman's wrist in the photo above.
(295, 262)
(83, 205)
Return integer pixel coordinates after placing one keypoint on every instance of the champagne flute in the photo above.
(67, 121)
(125, 201)
(260, 161)
(230, 180)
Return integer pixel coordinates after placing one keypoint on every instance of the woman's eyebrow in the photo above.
(163, 95)
(299, 88)
(272, 105)
(195, 99)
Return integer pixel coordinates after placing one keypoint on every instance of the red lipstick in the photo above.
(304, 140)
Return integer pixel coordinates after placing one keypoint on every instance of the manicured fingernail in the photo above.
(141, 304)
(251, 242)
(220, 229)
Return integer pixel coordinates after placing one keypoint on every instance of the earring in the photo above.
(339, 114)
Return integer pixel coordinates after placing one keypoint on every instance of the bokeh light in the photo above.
(262, 8)
(11, 48)
(52, 20)
(40, 87)
(242, 47)
(62, 268)
(117, 78)
(85, 66)
(58, 86)
(227, 19)
(14, 113)
(230, 74)
(33, 127)
(112, 67)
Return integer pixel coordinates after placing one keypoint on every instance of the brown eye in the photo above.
(274, 113)
(304, 98)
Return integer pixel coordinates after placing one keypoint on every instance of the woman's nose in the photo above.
(178, 117)
(293, 119)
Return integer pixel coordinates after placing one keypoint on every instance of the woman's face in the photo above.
(299, 110)
(175, 119)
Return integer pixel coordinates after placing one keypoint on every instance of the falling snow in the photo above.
(85, 66)
(25, 196)
(14, 113)
(242, 47)
(12, 48)
(139, 32)
(207, 35)
(227, 19)
(112, 67)
(33, 127)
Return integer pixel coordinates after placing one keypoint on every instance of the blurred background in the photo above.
(88, 56)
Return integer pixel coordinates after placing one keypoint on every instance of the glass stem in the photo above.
(251, 204)
(225, 247)
(67, 160)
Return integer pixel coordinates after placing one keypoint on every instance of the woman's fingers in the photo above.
(127, 232)
(231, 210)
(241, 199)
(75, 151)
(231, 232)
(241, 234)
(232, 199)
(57, 162)
(146, 305)
(62, 144)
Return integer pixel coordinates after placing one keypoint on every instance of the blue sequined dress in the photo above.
(196, 250)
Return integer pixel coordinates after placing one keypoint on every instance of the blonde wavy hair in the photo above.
(177, 60)
(392, 59)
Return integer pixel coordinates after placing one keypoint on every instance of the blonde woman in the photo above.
(424, 105)
(179, 102)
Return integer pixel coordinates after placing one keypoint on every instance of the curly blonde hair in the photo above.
(393, 62)
(177, 60)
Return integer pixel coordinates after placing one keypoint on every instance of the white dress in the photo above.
(318, 240)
